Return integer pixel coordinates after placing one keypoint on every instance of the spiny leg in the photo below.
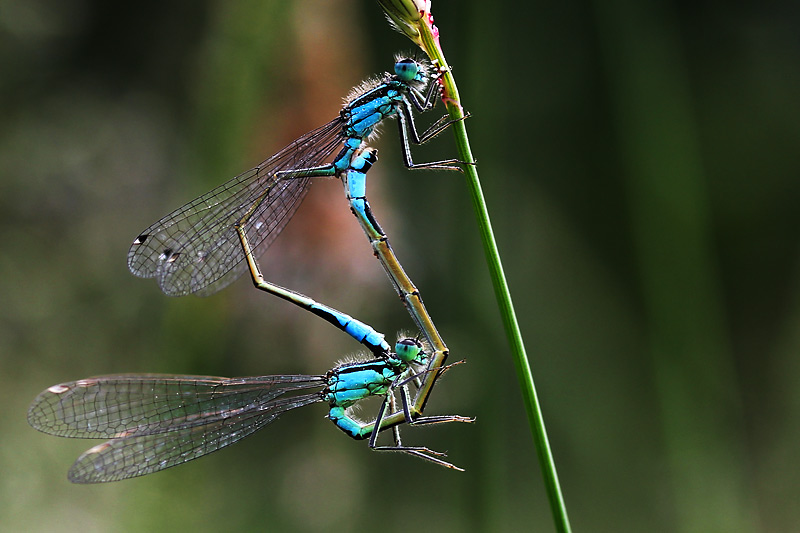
(409, 134)
(417, 451)
(415, 417)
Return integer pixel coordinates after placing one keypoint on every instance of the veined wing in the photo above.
(158, 421)
(195, 249)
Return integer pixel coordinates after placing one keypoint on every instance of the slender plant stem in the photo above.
(430, 44)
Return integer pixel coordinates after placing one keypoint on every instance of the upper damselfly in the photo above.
(196, 249)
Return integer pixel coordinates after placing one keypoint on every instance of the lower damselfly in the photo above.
(156, 421)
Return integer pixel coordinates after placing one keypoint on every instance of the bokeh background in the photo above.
(640, 162)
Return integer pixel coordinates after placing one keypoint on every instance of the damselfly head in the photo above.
(406, 69)
(411, 70)
(408, 350)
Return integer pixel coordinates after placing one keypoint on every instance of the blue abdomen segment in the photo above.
(356, 182)
(342, 161)
(350, 426)
(363, 333)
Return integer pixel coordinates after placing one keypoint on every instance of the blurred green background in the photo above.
(641, 165)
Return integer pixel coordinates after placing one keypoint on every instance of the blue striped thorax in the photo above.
(351, 382)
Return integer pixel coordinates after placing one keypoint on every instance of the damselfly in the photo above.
(195, 249)
(153, 421)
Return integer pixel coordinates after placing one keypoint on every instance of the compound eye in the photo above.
(408, 350)
(406, 69)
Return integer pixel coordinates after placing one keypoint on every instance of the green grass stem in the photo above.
(535, 418)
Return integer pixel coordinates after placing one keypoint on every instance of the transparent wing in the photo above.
(195, 249)
(158, 421)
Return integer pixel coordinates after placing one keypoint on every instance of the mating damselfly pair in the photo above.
(153, 422)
